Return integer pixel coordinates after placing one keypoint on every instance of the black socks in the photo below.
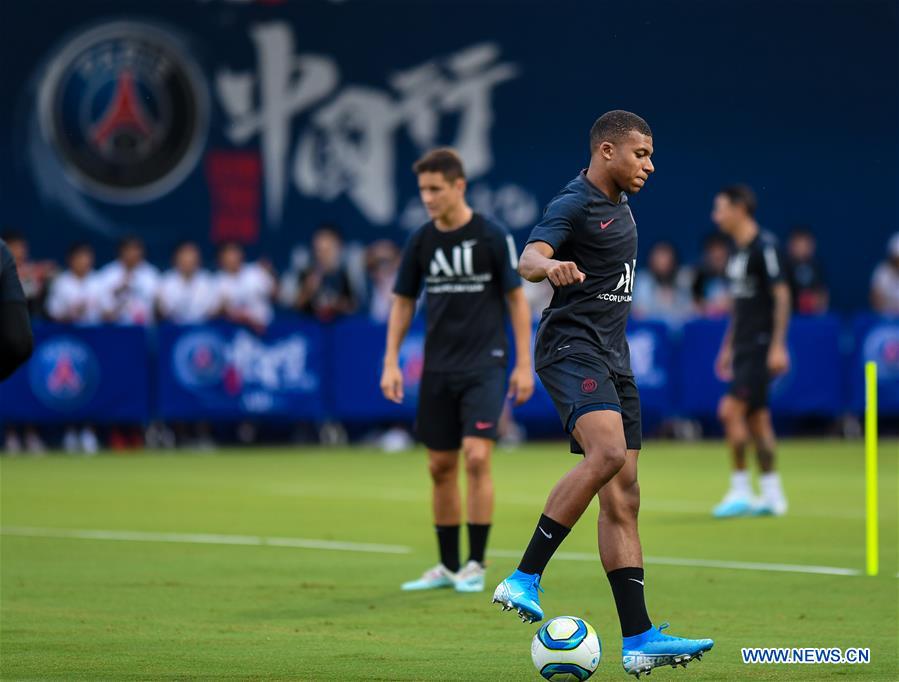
(627, 587)
(448, 541)
(546, 540)
(477, 541)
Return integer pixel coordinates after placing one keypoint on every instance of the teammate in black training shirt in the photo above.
(16, 342)
(467, 266)
(754, 350)
(586, 246)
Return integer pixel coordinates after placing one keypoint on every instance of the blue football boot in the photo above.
(652, 649)
(734, 504)
(520, 591)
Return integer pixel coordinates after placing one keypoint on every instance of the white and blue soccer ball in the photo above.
(566, 648)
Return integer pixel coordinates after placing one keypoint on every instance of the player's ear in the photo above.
(460, 184)
(607, 150)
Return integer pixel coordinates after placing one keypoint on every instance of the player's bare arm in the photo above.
(521, 381)
(537, 263)
(401, 314)
(778, 357)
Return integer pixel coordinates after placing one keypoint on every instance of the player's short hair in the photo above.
(444, 160)
(12, 236)
(741, 195)
(130, 240)
(612, 126)
(78, 247)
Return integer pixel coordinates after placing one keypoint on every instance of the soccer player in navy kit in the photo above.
(754, 351)
(586, 246)
(16, 342)
(467, 266)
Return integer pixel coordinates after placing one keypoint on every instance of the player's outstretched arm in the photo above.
(537, 263)
(401, 314)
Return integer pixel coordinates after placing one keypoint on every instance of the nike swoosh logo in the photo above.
(636, 581)
(483, 425)
(549, 535)
(604, 225)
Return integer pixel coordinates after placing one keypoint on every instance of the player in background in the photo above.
(586, 246)
(754, 351)
(466, 264)
(16, 341)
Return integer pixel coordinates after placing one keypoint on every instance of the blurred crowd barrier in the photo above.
(305, 370)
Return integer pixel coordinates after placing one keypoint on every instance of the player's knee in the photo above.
(442, 470)
(620, 503)
(477, 459)
(605, 457)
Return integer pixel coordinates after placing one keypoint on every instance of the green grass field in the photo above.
(78, 608)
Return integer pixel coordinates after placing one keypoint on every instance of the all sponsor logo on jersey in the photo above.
(454, 273)
(623, 291)
(125, 110)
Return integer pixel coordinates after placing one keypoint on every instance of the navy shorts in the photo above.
(579, 384)
(751, 378)
(452, 405)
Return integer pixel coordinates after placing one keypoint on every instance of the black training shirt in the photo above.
(10, 287)
(600, 236)
(466, 274)
(752, 270)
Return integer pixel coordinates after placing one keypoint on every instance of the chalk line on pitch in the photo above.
(332, 545)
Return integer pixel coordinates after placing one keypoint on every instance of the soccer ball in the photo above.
(566, 648)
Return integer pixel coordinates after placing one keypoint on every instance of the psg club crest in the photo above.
(125, 110)
(200, 360)
(64, 373)
(882, 346)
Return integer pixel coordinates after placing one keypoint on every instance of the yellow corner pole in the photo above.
(871, 467)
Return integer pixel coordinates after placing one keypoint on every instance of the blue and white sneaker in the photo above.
(776, 506)
(470, 578)
(432, 579)
(734, 504)
(520, 591)
(652, 649)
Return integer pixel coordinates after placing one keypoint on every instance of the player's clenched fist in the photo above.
(564, 273)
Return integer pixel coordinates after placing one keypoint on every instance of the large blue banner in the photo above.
(235, 119)
(229, 372)
(812, 386)
(96, 374)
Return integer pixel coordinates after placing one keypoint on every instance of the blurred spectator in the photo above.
(34, 275)
(187, 293)
(382, 261)
(326, 289)
(244, 290)
(805, 275)
(711, 292)
(128, 285)
(662, 291)
(885, 281)
(74, 296)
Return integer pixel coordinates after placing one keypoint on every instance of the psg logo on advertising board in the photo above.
(125, 110)
(882, 346)
(200, 360)
(64, 373)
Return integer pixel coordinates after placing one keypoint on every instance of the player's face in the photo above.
(231, 259)
(439, 195)
(631, 162)
(187, 260)
(81, 262)
(726, 215)
(132, 255)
